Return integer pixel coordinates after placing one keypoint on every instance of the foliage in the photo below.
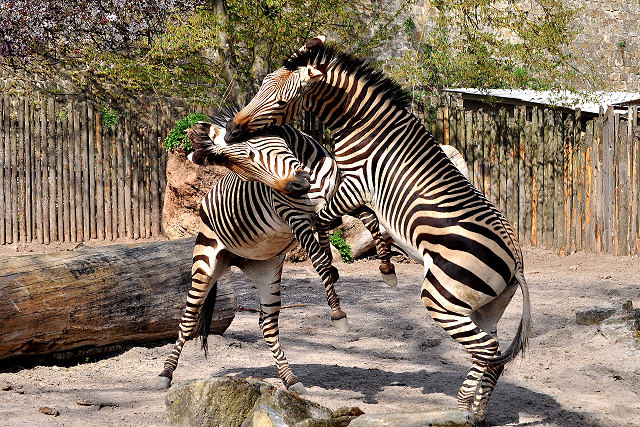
(178, 138)
(493, 44)
(204, 51)
(341, 245)
(55, 28)
(109, 117)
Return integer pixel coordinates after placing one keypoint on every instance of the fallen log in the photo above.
(68, 302)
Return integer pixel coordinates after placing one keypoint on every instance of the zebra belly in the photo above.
(262, 246)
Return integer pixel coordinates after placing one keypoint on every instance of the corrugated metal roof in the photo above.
(560, 99)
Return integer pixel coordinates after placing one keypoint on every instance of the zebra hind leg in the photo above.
(370, 221)
(208, 265)
(478, 386)
(266, 275)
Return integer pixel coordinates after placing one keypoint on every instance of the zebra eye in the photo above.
(252, 155)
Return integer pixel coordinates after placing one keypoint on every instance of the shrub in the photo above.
(342, 246)
(178, 138)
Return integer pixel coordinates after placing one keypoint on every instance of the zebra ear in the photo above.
(315, 43)
(310, 73)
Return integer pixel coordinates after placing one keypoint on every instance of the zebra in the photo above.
(389, 161)
(252, 226)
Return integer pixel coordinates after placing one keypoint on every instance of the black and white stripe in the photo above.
(252, 226)
(390, 162)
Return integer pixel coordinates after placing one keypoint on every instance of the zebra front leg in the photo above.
(370, 221)
(300, 224)
(266, 275)
(208, 266)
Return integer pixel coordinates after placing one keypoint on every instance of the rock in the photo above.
(444, 418)
(233, 401)
(49, 411)
(187, 184)
(265, 416)
(347, 411)
(594, 316)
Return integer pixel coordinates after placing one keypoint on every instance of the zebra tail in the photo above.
(203, 325)
(521, 339)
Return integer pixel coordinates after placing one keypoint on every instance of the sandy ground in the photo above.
(394, 358)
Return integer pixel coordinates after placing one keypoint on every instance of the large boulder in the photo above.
(187, 184)
(234, 401)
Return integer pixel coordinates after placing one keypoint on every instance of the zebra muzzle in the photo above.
(300, 186)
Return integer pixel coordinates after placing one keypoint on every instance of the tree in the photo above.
(205, 51)
(494, 44)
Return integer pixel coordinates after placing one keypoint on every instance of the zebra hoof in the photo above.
(163, 383)
(390, 279)
(341, 325)
(298, 388)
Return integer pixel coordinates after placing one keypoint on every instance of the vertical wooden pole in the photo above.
(121, 174)
(51, 150)
(547, 200)
(503, 172)
(85, 193)
(469, 144)
(38, 171)
(14, 174)
(127, 178)
(521, 144)
(147, 183)
(100, 204)
(45, 174)
(155, 177)
(440, 125)
(108, 224)
(135, 185)
(558, 175)
(78, 176)
(66, 169)
(569, 218)
(494, 160)
(446, 125)
(73, 135)
(29, 172)
(91, 127)
(608, 183)
(635, 218)
(579, 172)
(60, 177)
(3, 190)
(114, 181)
(512, 135)
(22, 185)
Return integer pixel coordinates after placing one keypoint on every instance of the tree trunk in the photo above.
(95, 297)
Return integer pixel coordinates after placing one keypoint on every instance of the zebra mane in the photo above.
(359, 68)
(223, 115)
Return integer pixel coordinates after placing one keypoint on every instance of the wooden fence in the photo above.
(66, 177)
(563, 181)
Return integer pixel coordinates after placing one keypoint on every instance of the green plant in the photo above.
(622, 44)
(341, 245)
(178, 138)
(109, 117)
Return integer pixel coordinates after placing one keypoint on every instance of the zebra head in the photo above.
(280, 96)
(263, 157)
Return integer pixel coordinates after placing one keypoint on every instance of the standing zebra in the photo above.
(389, 161)
(249, 225)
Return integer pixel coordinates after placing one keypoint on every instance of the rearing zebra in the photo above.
(389, 161)
(251, 226)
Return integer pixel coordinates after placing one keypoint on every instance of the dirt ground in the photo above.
(394, 358)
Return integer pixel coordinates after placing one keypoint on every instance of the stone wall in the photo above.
(610, 39)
